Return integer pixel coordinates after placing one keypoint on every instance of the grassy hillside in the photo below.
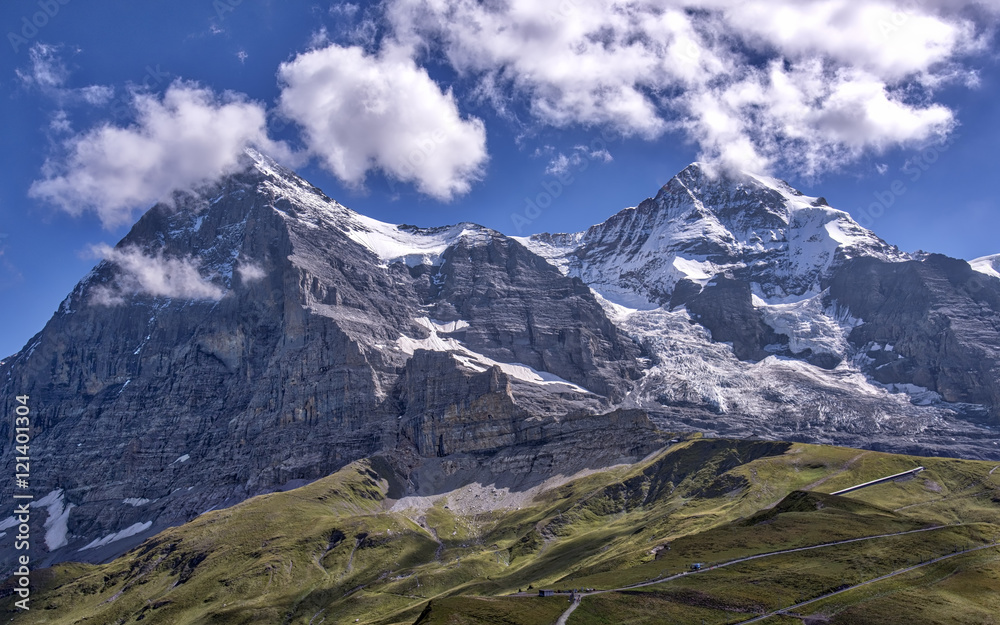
(333, 552)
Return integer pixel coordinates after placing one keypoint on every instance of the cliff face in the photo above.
(292, 349)
(932, 323)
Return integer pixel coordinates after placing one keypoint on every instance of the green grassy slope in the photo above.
(331, 552)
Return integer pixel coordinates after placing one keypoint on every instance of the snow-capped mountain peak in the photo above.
(390, 242)
(990, 265)
(702, 224)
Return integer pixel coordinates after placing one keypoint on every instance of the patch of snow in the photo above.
(182, 459)
(792, 197)
(615, 312)
(476, 361)
(556, 250)
(56, 523)
(131, 530)
(391, 244)
(433, 343)
(695, 271)
(450, 326)
(135, 501)
(990, 265)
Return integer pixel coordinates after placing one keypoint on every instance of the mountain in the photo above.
(700, 225)
(255, 335)
(284, 336)
(896, 344)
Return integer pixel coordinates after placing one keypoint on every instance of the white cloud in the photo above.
(362, 112)
(344, 9)
(189, 137)
(250, 272)
(558, 165)
(156, 275)
(806, 117)
(60, 122)
(579, 159)
(48, 73)
(809, 84)
(889, 38)
(46, 67)
(96, 95)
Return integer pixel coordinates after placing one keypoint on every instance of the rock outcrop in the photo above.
(931, 323)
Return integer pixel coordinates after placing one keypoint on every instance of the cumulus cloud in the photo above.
(361, 112)
(809, 84)
(805, 113)
(188, 137)
(155, 275)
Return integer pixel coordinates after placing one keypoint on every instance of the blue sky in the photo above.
(886, 108)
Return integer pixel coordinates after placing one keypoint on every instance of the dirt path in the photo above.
(871, 581)
(565, 615)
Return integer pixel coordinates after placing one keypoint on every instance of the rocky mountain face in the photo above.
(256, 334)
(931, 323)
(314, 351)
(760, 308)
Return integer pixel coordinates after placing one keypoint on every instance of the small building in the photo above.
(696, 566)
(546, 593)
